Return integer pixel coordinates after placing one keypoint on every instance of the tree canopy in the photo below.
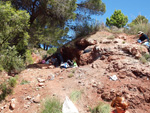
(118, 19)
(13, 37)
(13, 26)
(139, 20)
(53, 10)
(84, 12)
(50, 20)
(93, 6)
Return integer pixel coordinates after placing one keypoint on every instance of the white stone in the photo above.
(13, 104)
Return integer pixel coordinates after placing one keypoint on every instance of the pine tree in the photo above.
(50, 20)
(118, 19)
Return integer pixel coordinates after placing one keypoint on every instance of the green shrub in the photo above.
(11, 61)
(5, 90)
(6, 87)
(101, 108)
(114, 29)
(111, 37)
(70, 75)
(138, 20)
(52, 50)
(52, 105)
(12, 81)
(139, 27)
(24, 82)
(1, 68)
(123, 42)
(73, 71)
(28, 57)
(75, 95)
(145, 58)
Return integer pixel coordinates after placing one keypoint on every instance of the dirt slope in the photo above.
(114, 54)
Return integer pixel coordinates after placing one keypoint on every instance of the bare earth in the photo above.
(93, 80)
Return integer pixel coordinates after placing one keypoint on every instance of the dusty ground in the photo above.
(92, 80)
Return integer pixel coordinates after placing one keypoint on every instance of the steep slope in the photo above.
(99, 57)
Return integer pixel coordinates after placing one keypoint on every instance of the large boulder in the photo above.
(91, 54)
(83, 43)
(84, 51)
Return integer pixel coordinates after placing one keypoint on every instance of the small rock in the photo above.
(118, 93)
(124, 37)
(127, 96)
(40, 80)
(130, 74)
(79, 81)
(41, 84)
(54, 94)
(5, 106)
(37, 99)
(112, 91)
(61, 77)
(115, 41)
(107, 41)
(141, 89)
(94, 85)
(2, 108)
(63, 88)
(122, 76)
(82, 84)
(102, 57)
(13, 104)
(26, 106)
(99, 91)
(28, 98)
(44, 67)
(51, 77)
(94, 66)
(50, 67)
(106, 96)
(147, 97)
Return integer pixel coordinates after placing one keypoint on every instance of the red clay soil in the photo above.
(92, 80)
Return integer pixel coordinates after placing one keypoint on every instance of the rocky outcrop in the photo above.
(85, 51)
(135, 50)
(88, 57)
(83, 43)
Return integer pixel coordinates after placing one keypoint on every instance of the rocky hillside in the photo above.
(100, 57)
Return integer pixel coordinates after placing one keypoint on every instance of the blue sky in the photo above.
(130, 8)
